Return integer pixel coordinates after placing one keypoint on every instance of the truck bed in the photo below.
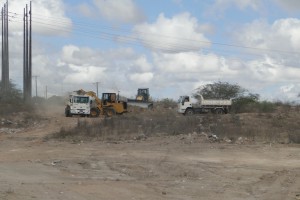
(215, 102)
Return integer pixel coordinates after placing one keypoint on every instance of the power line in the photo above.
(134, 41)
(110, 33)
(58, 24)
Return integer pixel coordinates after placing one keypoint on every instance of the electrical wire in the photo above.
(168, 46)
(109, 33)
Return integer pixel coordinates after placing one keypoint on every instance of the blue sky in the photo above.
(170, 46)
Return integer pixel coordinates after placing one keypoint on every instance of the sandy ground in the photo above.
(156, 168)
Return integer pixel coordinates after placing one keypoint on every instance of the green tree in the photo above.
(13, 95)
(241, 97)
(167, 103)
(220, 90)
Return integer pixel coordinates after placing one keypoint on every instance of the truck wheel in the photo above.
(109, 112)
(219, 111)
(189, 112)
(67, 112)
(150, 106)
(94, 112)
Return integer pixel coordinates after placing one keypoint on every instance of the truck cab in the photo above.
(78, 105)
(184, 104)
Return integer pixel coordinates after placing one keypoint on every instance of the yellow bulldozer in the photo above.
(88, 104)
(142, 99)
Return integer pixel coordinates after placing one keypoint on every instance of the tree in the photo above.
(242, 98)
(167, 103)
(220, 90)
(13, 95)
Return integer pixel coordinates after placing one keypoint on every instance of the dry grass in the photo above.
(131, 125)
(280, 126)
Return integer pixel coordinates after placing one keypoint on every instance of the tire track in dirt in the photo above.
(283, 184)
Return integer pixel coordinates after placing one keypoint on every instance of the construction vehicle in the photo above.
(78, 105)
(88, 104)
(142, 99)
(217, 106)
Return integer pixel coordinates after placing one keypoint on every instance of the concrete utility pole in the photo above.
(35, 77)
(46, 93)
(5, 48)
(27, 54)
(97, 84)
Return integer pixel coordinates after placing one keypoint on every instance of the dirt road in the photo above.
(157, 168)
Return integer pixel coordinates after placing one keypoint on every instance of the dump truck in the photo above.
(142, 99)
(78, 105)
(86, 103)
(217, 106)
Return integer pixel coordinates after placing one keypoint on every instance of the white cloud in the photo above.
(189, 62)
(81, 56)
(271, 67)
(84, 74)
(281, 92)
(282, 35)
(290, 5)
(48, 17)
(220, 6)
(115, 69)
(125, 11)
(181, 33)
(86, 10)
(141, 78)
(175, 65)
(254, 4)
(141, 64)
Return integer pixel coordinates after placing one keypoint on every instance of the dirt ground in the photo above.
(168, 167)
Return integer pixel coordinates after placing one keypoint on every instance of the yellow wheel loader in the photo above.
(88, 104)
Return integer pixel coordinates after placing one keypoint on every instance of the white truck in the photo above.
(78, 105)
(186, 107)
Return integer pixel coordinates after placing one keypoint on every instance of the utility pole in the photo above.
(35, 77)
(97, 84)
(46, 94)
(27, 54)
(5, 48)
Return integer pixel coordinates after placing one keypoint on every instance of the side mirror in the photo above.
(91, 101)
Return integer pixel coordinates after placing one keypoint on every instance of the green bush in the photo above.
(11, 96)
(266, 107)
(166, 103)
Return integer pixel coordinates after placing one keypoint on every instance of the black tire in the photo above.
(68, 112)
(150, 106)
(219, 111)
(109, 112)
(95, 112)
(189, 112)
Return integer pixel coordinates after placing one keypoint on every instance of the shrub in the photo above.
(131, 125)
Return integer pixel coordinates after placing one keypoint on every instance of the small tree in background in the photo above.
(12, 96)
(167, 103)
(222, 90)
(241, 97)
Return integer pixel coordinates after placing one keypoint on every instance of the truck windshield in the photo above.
(183, 99)
(78, 99)
(180, 99)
